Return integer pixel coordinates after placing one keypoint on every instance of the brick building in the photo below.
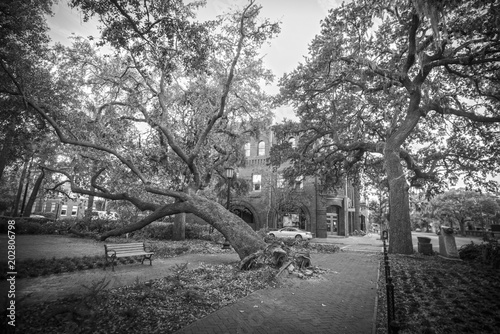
(63, 207)
(272, 204)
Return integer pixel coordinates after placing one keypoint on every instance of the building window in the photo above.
(53, 207)
(257, 182)
(280, 182)
(262, 148)
(299, 182)
(74, 211)
(292, 142)
(64, 210)
(247, 149)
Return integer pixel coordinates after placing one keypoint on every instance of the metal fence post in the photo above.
(392, 327)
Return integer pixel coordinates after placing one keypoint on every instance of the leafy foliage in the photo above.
(466, 207)
(386, 89)
(154, 119)
(486, 253)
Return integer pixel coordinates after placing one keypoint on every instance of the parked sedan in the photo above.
(290, 232)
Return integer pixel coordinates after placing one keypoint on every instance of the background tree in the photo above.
(466, 208)
(410, 85)
(286, 198)
(23, 40)
(164, 113)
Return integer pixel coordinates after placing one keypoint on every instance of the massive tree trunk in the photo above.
(87, 217)
(33, 195)
(357, 208)
(399, 206)
(20, 189)
(240, 235)
(28, 178)
(179, 232)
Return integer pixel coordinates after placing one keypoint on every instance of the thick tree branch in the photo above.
(140, 204)
(65, 140)
(461, 113)
(54, 188)
(412, 45)
(158, 213)
(227, 85)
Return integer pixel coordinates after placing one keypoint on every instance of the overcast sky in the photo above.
(300, 22)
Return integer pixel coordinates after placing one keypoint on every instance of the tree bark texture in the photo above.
(34, 194)
(88, 211)
(399, 223)
(179, 232)
(357, 208)
(20, 189)
(239, 234)
(28, 178)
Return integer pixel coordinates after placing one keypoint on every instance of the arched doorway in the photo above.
(246, 215)
(294, 217)
(332, 220)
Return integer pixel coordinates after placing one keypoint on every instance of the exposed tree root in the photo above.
(277, 255)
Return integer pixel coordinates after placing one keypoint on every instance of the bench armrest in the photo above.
(109, 251)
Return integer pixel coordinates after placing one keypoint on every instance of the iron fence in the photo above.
(392, 325)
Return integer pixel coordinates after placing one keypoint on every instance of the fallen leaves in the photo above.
(433, 295)
(156, 306)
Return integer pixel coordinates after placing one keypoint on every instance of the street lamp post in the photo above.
(229, 175)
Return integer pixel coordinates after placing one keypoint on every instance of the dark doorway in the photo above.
(247, 216)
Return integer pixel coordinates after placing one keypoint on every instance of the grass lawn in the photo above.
(434, 295)
(156, 306)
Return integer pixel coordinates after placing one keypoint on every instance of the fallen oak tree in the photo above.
(168, 110)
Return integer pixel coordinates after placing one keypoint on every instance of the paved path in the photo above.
(53, 287)
(342, 301)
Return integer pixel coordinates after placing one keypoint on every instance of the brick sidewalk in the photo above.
(342, 301)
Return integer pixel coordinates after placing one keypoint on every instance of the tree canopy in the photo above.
(465, 208)
(155, 120)
(407, 88)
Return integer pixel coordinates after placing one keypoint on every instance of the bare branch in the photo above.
(137, 202)
(65, 140)
(462, 113)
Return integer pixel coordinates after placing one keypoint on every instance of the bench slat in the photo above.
(126, 249)
(114, 251)
(131, 254)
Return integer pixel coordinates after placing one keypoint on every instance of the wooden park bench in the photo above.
(114, 251)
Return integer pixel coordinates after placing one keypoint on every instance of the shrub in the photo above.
(26, 227)
(197, 231)
(485, 253)
(160, 231)
(51, 227)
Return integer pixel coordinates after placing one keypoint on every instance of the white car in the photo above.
(290, 232)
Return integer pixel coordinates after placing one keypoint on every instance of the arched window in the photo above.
(292, 142)
(262, 148)
(247, 149)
